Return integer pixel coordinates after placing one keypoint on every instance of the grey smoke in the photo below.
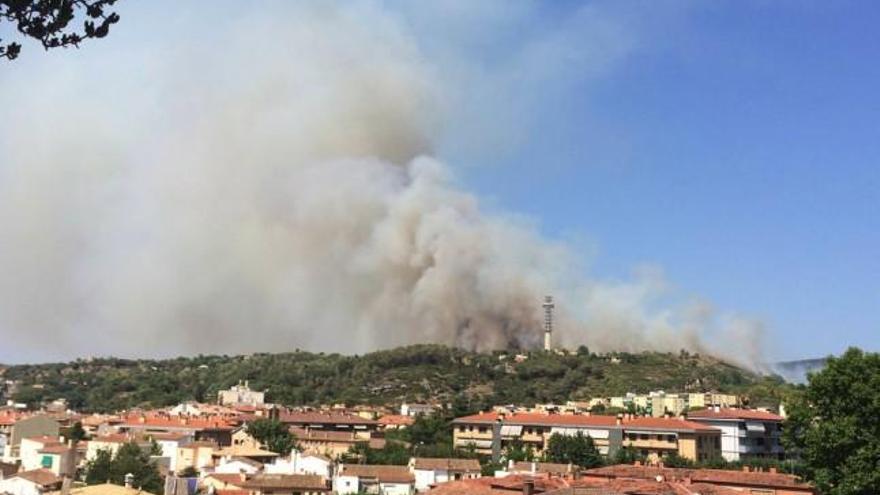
(282, 193)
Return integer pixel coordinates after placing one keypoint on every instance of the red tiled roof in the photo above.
(443, 464)
(541, 419)
(286, 482)
(212, 423)
(667, 424)
(396, 419)
(316, 417)
(733, 414)
(714, 476)
(42, 477)
(55, 449)
(234, 479)
(382, 473)
(112, 438)
(542, 467)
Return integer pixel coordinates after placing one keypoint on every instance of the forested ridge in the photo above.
(431, 373)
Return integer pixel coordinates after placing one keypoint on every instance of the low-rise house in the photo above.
(48, 453)
(238, 465)
(374, 479)
(333, 443)
(196, 455)
(245, 452)
(430, 471)
(32, 482)
(745, 433)
(110, 443)
(214, 429)
(14, 427)
(417, 409)
(395, 422)
(327, 421)
(286, 484)
(302, 463)
(223, 481)
(170, 443)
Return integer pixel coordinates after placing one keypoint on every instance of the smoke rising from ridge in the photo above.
(283, 194)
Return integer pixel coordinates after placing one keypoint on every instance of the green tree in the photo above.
(834, 425)
(272, 435)
(578, 449)
(99, 469)
(130, 458)
(77, 433)
(517, 451)
(627, 455)
(677, 461)
(47, 21)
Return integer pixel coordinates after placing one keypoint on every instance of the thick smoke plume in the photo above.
(281, 193)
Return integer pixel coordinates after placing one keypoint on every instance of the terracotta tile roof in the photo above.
(713, 476)
(55, 449)
(734, 414)
(243, 451)
(667, 424)
(42, 477)
(104, 489)
(45, 439)
(316, 417)
(382, 473)
(539, 419)
(396, 420)
(434, 464)
(112, 438)
(233, 479)
(328, 435)
(542, 467)
(227, 491)
(177, 422)
(304, 482)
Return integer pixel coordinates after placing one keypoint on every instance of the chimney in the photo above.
(619, 418)
(745, 469)
(773, 470)
(129, 480)
(528, 487)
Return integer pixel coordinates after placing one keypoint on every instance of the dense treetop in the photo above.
(416, 373)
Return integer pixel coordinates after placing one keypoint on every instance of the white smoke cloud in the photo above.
(280, 192)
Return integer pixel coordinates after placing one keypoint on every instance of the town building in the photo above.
(241, 395)
(285, 484)
(378, 479)
(656, 438)
(417, 409)
(489, 433)
(430, 471)
(745, 433)
(327, 421)
(492, 431)
(32, 482)
(15, 427)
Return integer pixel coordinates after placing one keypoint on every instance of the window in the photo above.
(670, 438)
(644, 436)
(483, 429)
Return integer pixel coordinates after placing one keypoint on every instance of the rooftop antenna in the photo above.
(548, 321)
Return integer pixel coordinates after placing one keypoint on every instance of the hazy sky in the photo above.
(731, 144)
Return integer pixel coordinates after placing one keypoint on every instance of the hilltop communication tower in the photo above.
(548, 322)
